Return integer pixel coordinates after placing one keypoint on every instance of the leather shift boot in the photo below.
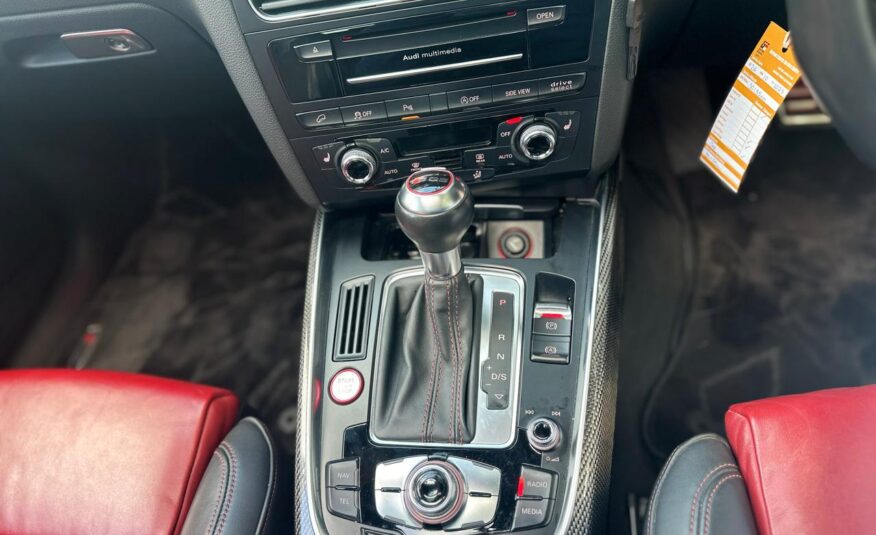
(426, 381)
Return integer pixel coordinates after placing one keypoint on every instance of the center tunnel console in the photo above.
(458, 373)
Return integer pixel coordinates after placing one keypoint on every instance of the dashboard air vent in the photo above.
(354, 311)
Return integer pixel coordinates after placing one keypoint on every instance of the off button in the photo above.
(469, 97)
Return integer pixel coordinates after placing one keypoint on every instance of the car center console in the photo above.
(458, 369)
(503, 93)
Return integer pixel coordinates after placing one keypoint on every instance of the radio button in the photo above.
(408, 106)
(467, 98)
(313, 119)
(325, 154)
(382, 147)
(561, 84)
(319, 51)
(515, 91)
(363, 113)
(542, 17)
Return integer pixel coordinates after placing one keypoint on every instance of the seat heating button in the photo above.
(343, 473)
(475, 175)
(535, 483)
(530, 513)
(567, 122)
(346, 386)
(325, 154)
(344, 503)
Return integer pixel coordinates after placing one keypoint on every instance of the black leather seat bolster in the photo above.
(242, 491)
(700, 491)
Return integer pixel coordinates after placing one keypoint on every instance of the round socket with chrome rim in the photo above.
(537, 141)
(358, 166)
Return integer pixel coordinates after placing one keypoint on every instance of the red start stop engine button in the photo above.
(346, 386)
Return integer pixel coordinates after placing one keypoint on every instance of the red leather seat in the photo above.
(93, 452)
(801, 464)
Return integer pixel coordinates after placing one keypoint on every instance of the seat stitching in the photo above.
(454, 359)
(759, 474)
(220, 491)
(696, 497)
(459, 348)
(712, 494)
(230, 496)
(274, 475)
(430, 306)
(663, 473)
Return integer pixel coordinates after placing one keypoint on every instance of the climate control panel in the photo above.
(521, 145)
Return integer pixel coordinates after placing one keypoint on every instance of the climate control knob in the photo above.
(537, 141)
(358, 166)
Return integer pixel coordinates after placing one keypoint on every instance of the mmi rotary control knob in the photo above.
(358, 166)
(537, 141)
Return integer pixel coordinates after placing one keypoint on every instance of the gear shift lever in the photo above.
(426, 380)
(435, 209)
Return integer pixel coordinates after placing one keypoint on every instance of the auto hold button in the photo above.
(551, 349)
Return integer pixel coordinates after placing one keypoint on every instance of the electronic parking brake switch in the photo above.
(551, 333)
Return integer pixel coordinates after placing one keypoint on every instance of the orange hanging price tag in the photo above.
(767, 77)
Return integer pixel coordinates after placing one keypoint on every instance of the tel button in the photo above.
(344, 503)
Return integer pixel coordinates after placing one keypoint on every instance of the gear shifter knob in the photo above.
(435, 209)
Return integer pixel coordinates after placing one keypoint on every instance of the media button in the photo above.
(408, 106)
(363, 113)
(313, 119)
(561, 84)
(319, 51)
(515, 91)
(542, 17)
(466, 98)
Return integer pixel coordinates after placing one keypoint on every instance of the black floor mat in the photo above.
(212, 291)
(785, 292)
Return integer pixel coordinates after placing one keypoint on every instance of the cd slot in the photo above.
(352, 46)
(434, 63)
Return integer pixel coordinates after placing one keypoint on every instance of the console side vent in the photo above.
(354, 313)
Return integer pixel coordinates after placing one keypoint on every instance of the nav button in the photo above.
(469, 97)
